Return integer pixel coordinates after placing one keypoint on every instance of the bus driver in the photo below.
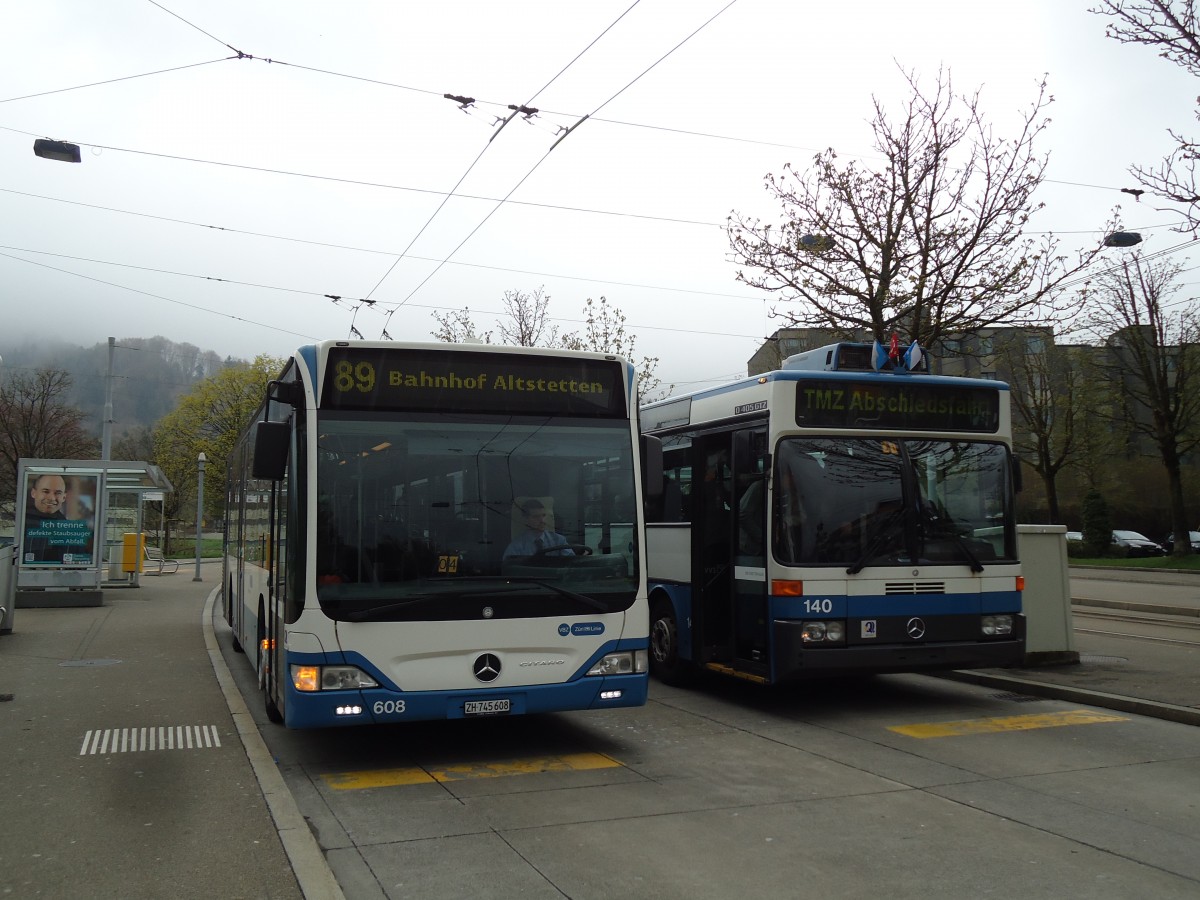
(536, 539)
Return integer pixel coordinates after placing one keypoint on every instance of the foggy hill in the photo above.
(149, 375)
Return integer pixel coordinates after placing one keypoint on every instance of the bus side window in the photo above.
(677, 485)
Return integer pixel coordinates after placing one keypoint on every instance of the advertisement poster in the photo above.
(60, 519)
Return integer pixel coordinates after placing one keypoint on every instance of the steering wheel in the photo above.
(577, 549)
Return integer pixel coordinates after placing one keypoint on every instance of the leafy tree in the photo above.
(209, 420)
(36, 422)
(1169, 27)
(1154, 355)
(137, 443)
(930, 243)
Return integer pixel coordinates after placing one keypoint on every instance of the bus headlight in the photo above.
(331, 678)
(825, 631)
(997, 626)
(627, 662)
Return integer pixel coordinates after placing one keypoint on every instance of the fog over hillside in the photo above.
(149, 374)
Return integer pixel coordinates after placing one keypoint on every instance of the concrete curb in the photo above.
(1155, 609)
(308, 862)
(1185, 715)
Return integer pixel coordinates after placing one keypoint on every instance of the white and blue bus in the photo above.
(846, 514)
(378, 560)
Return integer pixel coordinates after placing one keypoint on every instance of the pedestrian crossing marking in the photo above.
(571, 762)
(99, 742)
(1005, 723)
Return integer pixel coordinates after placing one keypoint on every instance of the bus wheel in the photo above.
(665, 663)
(264, 673)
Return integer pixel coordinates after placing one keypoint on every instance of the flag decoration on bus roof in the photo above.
(891, 357)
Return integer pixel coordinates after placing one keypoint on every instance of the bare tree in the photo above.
(457, 327)
(528, 324)
(1043, 388)
(37, 423)
(930, 244)
(1155, 358)
(605, 332)
(1170, 28)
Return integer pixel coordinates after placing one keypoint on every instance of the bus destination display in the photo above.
(899, 405)
(449, 381)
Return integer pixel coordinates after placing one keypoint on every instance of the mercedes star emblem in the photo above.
(487, 667)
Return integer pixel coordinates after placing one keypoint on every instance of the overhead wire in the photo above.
(155, 296)
(115, 80)
(546, 155)
(506, 199)
(309, 293)
(517, 109)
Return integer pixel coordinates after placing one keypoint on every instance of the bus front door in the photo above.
(712, 548)
(751, 629)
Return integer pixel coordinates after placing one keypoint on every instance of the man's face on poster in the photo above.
(49, 493)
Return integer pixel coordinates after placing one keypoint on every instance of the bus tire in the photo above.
(665, 662)
(265, 676)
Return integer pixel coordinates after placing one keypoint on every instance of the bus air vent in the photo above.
(914, 587)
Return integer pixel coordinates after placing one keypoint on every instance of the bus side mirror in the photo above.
(652, 467)
(288, 392)
(270, 450)
(1016, 473)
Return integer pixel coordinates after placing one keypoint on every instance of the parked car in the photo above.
(1193, 537)
(1075, 537)
(1130, 543)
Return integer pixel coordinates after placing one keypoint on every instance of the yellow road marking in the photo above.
(571, 762)
(1005, 723)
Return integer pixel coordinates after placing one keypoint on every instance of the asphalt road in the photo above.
(912, 786)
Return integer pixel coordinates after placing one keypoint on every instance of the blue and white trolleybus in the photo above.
(846, 514)
(384, 511)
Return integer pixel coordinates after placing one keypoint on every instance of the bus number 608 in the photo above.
(384, 707)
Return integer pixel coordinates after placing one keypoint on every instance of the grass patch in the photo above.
(210, 548)
(1189, 563)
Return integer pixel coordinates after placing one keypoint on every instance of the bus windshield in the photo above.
(439, 517)
(854, 503)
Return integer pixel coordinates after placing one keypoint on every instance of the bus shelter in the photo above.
(67, 513)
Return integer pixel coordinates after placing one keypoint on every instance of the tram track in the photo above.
(1188, 626)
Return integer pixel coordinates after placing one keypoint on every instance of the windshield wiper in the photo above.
(934, 527)
(884, 531)
(508, 586)
(582, 598)
(361, 615)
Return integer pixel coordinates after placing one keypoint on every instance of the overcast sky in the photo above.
(220, 199)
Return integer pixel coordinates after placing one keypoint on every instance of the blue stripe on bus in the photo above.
(835, 606)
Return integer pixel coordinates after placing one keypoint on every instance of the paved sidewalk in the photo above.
(1147, 677)
(95, 807)
(124, 772)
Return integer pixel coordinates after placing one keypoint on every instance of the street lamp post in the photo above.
(200, 461)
